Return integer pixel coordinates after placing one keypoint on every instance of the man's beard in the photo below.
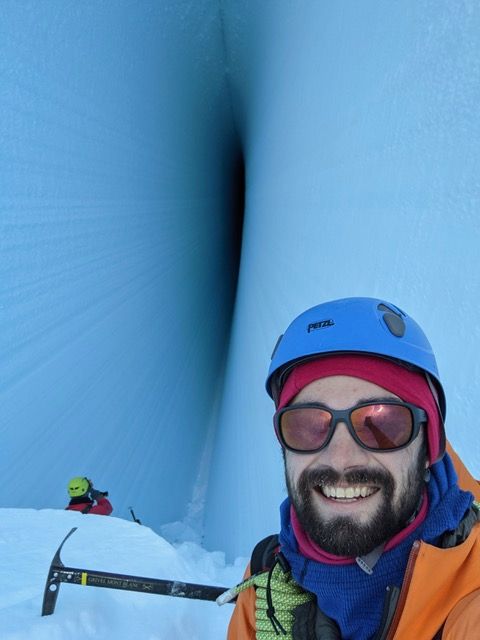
(344, 535)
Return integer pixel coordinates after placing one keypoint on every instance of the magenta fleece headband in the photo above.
(410, 386)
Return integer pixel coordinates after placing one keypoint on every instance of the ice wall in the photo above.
(119, 248)
(121, 139)
(362, 179)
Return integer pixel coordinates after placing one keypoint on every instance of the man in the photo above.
(380, 537)
(83, 497)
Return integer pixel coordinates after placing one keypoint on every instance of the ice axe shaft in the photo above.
(133, 516)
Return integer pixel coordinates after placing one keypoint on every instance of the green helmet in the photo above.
(78, 487)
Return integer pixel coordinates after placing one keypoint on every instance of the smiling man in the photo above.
(380, 537)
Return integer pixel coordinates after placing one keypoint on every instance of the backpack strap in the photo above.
(453, 538)
(263, 555)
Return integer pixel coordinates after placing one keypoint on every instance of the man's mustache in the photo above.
(328, 476)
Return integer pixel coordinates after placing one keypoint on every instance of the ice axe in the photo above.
(59, 573)
(133, 516)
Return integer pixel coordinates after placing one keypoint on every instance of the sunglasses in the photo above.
(376, 426)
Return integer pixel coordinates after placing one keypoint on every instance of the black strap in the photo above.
(87, 508)
(263, 556)
(310, 623)
(453, 538)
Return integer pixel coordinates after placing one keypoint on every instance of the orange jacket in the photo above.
(440, 586)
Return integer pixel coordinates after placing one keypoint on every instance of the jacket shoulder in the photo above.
(242, 623)
(443, 579)
(464, 620)
(465, 479)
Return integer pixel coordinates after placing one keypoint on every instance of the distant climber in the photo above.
(83, 498)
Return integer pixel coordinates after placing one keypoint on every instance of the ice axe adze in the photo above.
(59, 573)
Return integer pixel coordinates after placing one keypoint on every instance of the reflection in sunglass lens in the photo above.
(305, 429)
(382, 426)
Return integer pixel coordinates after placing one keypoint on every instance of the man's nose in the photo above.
(342, 450)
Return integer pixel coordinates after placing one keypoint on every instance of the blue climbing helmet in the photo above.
(365, 325)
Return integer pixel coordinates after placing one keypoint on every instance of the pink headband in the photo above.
(410, 386)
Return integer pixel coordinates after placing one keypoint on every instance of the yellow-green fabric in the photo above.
(285, 594)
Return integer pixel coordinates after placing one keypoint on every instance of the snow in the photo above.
(28, 541)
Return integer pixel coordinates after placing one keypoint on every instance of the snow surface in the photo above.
(28, 541)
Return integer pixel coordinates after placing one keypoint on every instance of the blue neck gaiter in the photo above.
(350, 596)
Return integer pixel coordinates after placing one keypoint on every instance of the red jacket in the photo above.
(102, 508)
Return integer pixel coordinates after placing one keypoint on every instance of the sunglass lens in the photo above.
(305, 429)
(383, 426)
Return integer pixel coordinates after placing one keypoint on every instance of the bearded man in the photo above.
(380, 535)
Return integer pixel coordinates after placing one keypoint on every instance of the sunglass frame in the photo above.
(419, 416)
